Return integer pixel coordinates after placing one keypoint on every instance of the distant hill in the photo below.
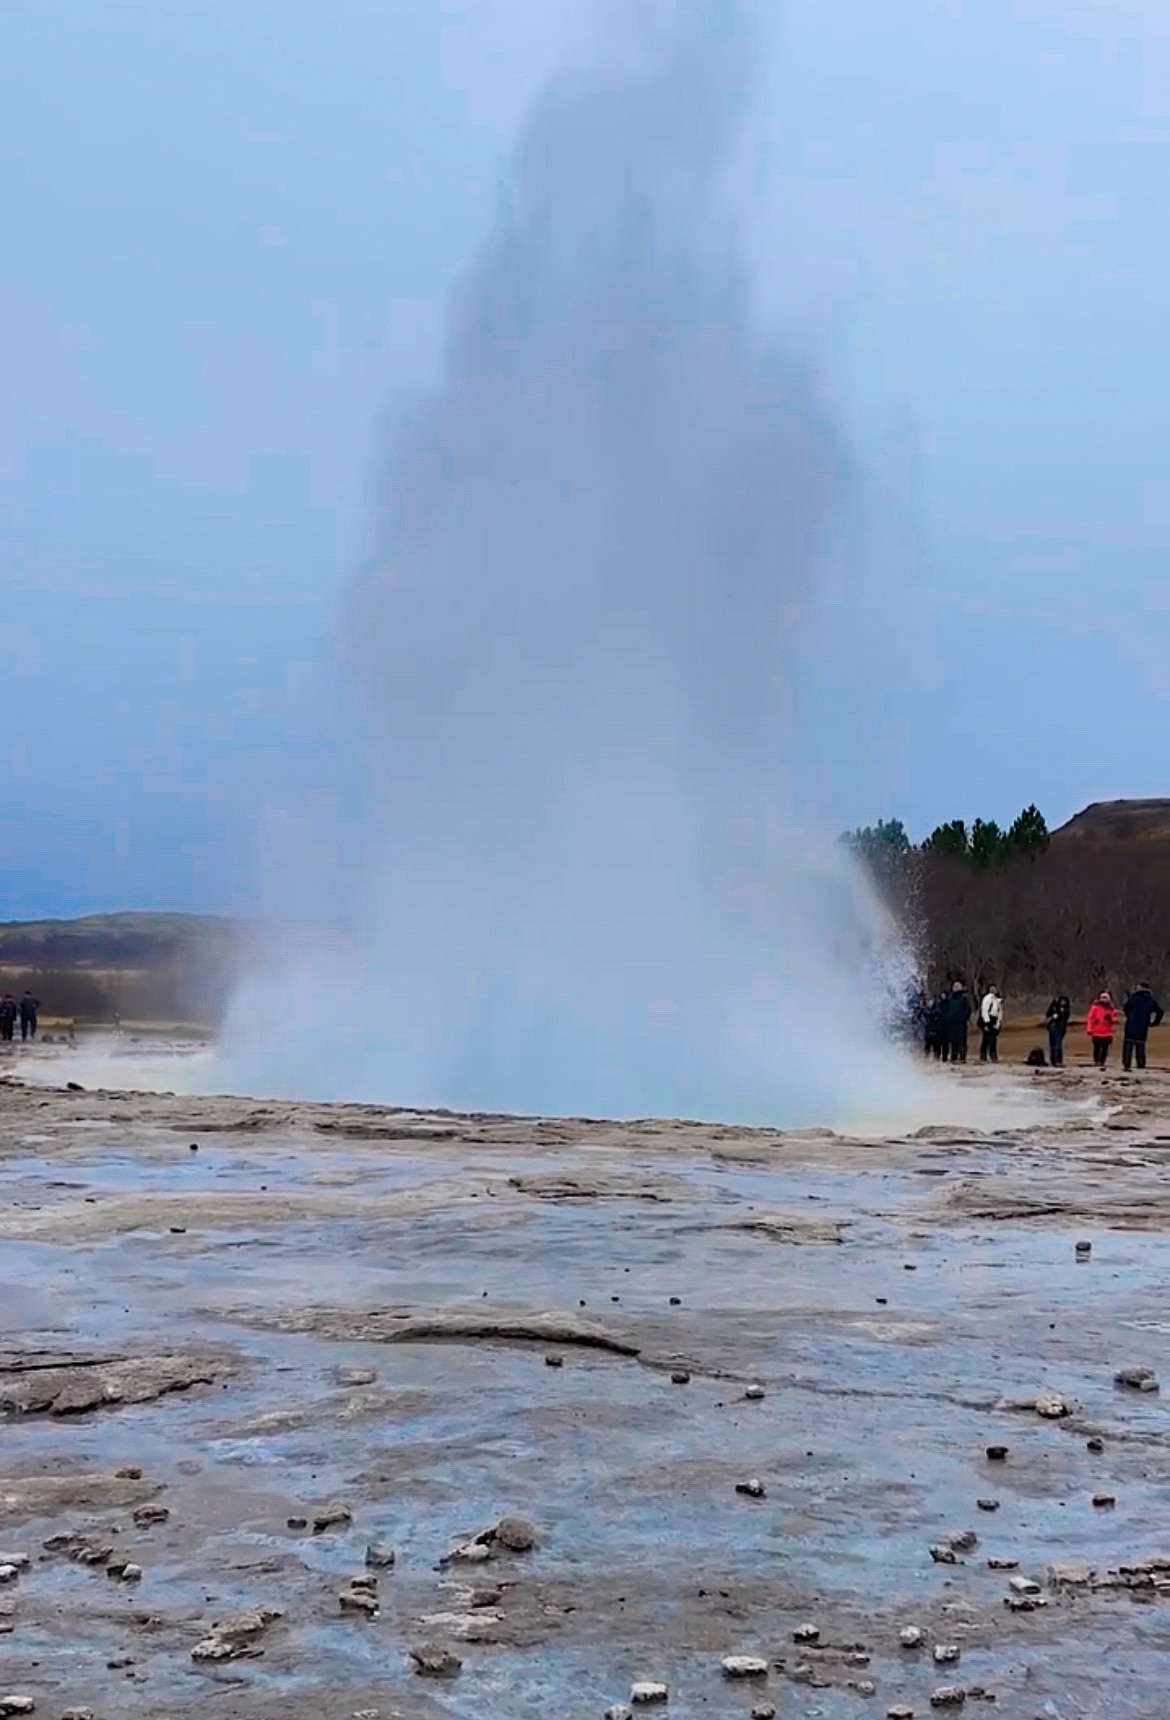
(1118, 821)
(173, 968)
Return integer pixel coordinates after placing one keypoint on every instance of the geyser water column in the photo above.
(600, 537)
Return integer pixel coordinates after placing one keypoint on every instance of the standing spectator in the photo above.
(29, 1005)
(990, 1022)
(7, 1015)
(935, 1035)
(957, 1017)
(1099, 1025)
(1056, 1020)
(1142, 1011)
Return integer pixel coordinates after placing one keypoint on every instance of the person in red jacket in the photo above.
(1099, 1025)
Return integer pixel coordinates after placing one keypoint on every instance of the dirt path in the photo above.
(219, 1319)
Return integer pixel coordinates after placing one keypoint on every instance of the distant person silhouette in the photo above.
(29, 1005)
(1056, 1020)
(935, 1032)
(990, 1022)
(957, 1017)
(1100, 1024)
(7, 1015)
(1142, 1011)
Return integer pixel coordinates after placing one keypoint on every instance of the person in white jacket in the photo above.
(990, 1022)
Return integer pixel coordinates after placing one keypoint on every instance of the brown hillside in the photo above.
(1118, 821)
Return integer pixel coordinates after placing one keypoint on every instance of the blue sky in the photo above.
(230, 233)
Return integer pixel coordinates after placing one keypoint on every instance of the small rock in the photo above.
(646, 1691)
(1095, 1445)
(236, 1637)
(9, 1573)
(863, 1686)
(680, 1377)
(988, 1504)
(744, 1666)
(21, 1561)
(131, 1474)
(806, 1633)
(517, 1534)
(944, 1555)
(753, 1488)
(910, 1636)
(1003, 1564)
(298, 1522)
(948, 1696)
(146, 1515)
(1137, 1379)
(358, 1600)
(1071, 1575)
(963, 1541)
(1024, 1603)
(1084, 1248)
(77, 1714)
(380, 1556)
(178, 1230)
(997, 1453)
(332, 1516)
(17, 1705)
(764, 1711)
(1023, 1586)
(554, 1361)
(899, 1711)
(755, 1393)
(132, 1574)
(120, 1662)
(946, 1653)
(432, 1661)
(676, 1301)
(356, 1376)
(194, 1147)
(619, 1711)
(471, 1553)
(116, 1564)
(1104, 1501)
(367, 1582)
(1052, 1406)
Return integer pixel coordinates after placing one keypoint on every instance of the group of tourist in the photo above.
(945, 1024)
(25, 1011)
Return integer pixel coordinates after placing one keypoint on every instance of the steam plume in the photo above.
(600, 538)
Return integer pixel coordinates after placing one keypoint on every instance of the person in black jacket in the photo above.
(958, 1015)
(29, 1005)
(7, 1015)
(935, 1033)
(1142, 1011)
(1056, 1019)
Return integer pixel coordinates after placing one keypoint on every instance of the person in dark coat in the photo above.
(1142, 1011)
(958, 1016)
(7, 1015)
(1056, 1020)
(29, 1005)
(935, 1030)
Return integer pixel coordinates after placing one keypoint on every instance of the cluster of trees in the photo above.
(985, 844)
(1075, 917)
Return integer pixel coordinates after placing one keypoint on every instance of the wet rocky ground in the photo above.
(337, 1410)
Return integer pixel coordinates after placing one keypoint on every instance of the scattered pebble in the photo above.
(863, 1686)
(1052, 1405)
(946, 1653)
(676, 1301)
(380, 1556)
(619, 1711)
(899, 1711)
(17, 1705)
(1104, 1501)
(680, 1377)
(298, 1522)
(77, 1714)
(132, 1574)
(764, 1711)
(9, 1573)
(554, 1361)
(1003, 1564)
(910, 1636)
(744, 1666)
(332, 1516)
(22, 1561)
(1095, 1445)
(755, 1393)
(948, 1696)
(988, 1504)
(1024, 1603)
(997, 1453)
(753, 1487)
(358, 1598)
(646, 1692)
(1023, 1586)
(1137, 1379)
(517, 1534)
(235, 1636)
(806, 1633)
(963, 1540)
(356, 1376)
(147, 1515)
(1084, 1249)
(432, 1661)
(131, 1474)
(944, 1555)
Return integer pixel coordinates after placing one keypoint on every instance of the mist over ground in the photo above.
(601, 549)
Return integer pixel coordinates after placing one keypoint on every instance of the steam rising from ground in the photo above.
(601, 540)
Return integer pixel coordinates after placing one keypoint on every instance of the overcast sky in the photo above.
(229, 235)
